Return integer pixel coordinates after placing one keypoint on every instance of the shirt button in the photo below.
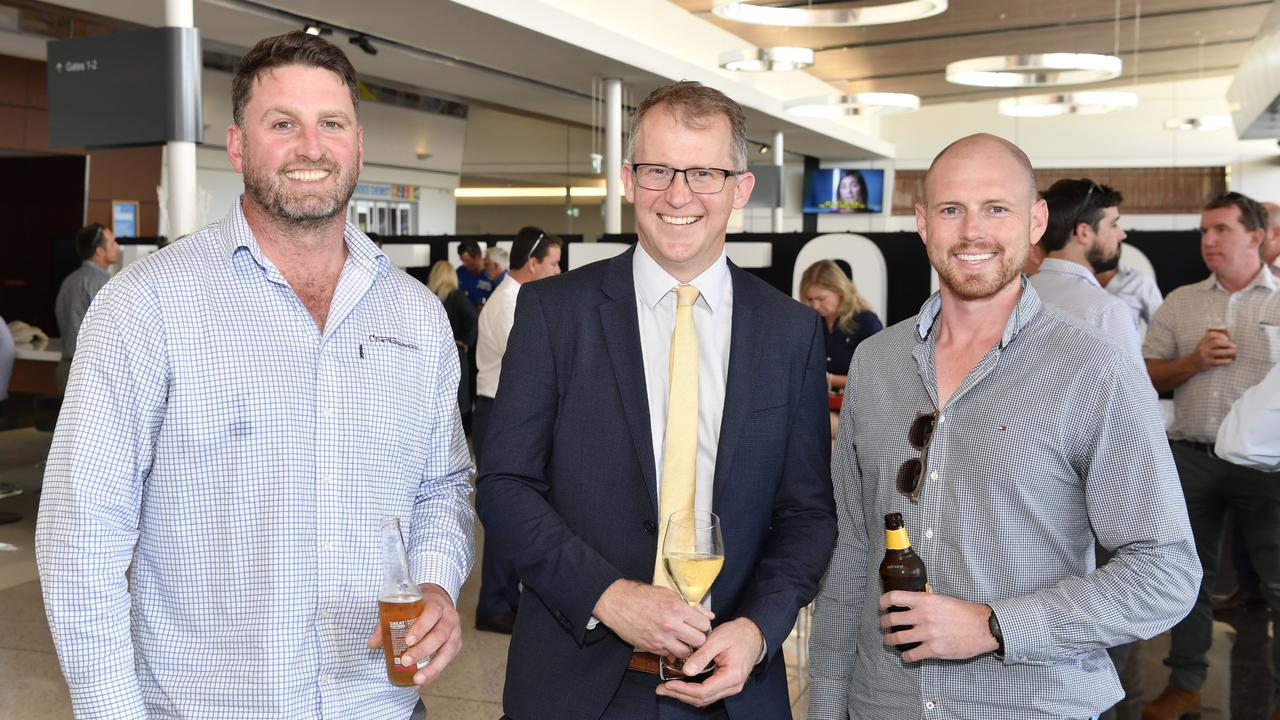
(942, 419)
(933, 475)
(324, 614)
(929, 533)
(328, 479)
(328, 412)
(930, 705)
(327, 547)
(327, 679)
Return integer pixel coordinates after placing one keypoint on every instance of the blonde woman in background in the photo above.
(463, 319)
(846, 317)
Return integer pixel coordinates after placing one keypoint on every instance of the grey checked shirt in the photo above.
(1053, 437)
(1252, 315)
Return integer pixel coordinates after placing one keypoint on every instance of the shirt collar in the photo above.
(1027, 307)
(1067, 267)
(1264, 279)
(360, 249)
(653, 282)
(95, 267)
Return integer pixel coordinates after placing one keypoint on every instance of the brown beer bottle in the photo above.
(901, 568)
(399, 605)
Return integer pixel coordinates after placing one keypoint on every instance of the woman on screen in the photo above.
(851, 195)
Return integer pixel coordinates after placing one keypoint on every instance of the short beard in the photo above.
(968, 287)
(1101, 263)
(268, 191)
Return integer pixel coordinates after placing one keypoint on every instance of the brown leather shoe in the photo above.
(1173, 704)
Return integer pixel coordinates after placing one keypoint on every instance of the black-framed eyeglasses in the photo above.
(702, 180)
(910, 479)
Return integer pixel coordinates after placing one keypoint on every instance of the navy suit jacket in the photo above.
(568, 487)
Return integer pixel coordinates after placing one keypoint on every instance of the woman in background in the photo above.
(846, 317)
(463, 318)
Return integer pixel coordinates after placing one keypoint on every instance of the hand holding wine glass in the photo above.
(693, 554)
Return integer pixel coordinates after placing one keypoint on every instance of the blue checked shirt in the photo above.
(1054, 437)
(208, 537)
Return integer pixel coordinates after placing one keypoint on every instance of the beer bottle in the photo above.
(901, 568)
(399, 604)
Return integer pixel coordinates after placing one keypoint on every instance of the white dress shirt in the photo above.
(496, 318)
(1250, 434)
(1071, 288)
(712, 317)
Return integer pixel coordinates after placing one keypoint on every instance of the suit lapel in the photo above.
(621, 331)
(744, 348)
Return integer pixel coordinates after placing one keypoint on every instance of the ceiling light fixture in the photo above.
(864, 103)
(1204, 123)
(764, 149)
(314, 28)
(363, 43)
(1085, 102)
(774, 59)
(879, 14)
(1034, 70)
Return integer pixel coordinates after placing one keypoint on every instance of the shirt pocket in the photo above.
(1269, 342)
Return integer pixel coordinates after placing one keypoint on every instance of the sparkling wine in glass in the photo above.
(693, 554)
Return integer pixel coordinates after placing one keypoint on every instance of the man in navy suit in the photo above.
(572, 494)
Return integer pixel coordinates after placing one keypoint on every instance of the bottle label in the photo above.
(399, 628)
(896, 539)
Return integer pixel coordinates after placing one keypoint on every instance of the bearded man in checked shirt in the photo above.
(245, 407)
(1044, 436)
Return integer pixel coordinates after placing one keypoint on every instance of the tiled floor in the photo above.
(31, 685)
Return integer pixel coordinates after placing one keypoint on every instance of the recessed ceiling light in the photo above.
(878, 14)
(1034, 70)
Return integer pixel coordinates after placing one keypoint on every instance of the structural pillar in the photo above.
(782, 186)
(180, 157)
(613, 156)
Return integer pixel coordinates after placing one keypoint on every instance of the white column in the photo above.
(180, 157)
(613, 156)
(777, 160)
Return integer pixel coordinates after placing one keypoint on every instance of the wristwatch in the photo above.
(993, 625)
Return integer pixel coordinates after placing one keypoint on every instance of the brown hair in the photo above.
(694, 105)
(827, 275)
(294, 48)
(1253, 216)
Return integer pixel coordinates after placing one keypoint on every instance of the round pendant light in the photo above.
(878, 14)
(865, 103)
(774, 59)
(1035, 70)
(1085, 102)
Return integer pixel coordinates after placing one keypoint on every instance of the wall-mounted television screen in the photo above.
(844, 190)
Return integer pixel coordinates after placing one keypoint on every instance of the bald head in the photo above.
(1270, 248)
(982, 147)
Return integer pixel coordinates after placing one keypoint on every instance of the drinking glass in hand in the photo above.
(692, 553)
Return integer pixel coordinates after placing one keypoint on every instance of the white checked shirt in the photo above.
(238, 463)
(1053, 437)
(1252, 315)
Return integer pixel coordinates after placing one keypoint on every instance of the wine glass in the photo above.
(693, 554)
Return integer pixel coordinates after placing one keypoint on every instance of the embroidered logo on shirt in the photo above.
(393, 341)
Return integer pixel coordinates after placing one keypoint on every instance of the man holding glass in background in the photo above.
(595, 443)
(245, 409)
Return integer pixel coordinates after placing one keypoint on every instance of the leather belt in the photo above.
(645, 662)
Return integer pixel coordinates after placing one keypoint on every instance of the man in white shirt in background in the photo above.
(1271, 241)
(534, 255)
(1083, 237)
(1250, 434)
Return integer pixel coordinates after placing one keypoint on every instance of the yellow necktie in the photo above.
(680, 443)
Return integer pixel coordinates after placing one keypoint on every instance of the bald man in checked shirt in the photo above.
(1040, 434)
